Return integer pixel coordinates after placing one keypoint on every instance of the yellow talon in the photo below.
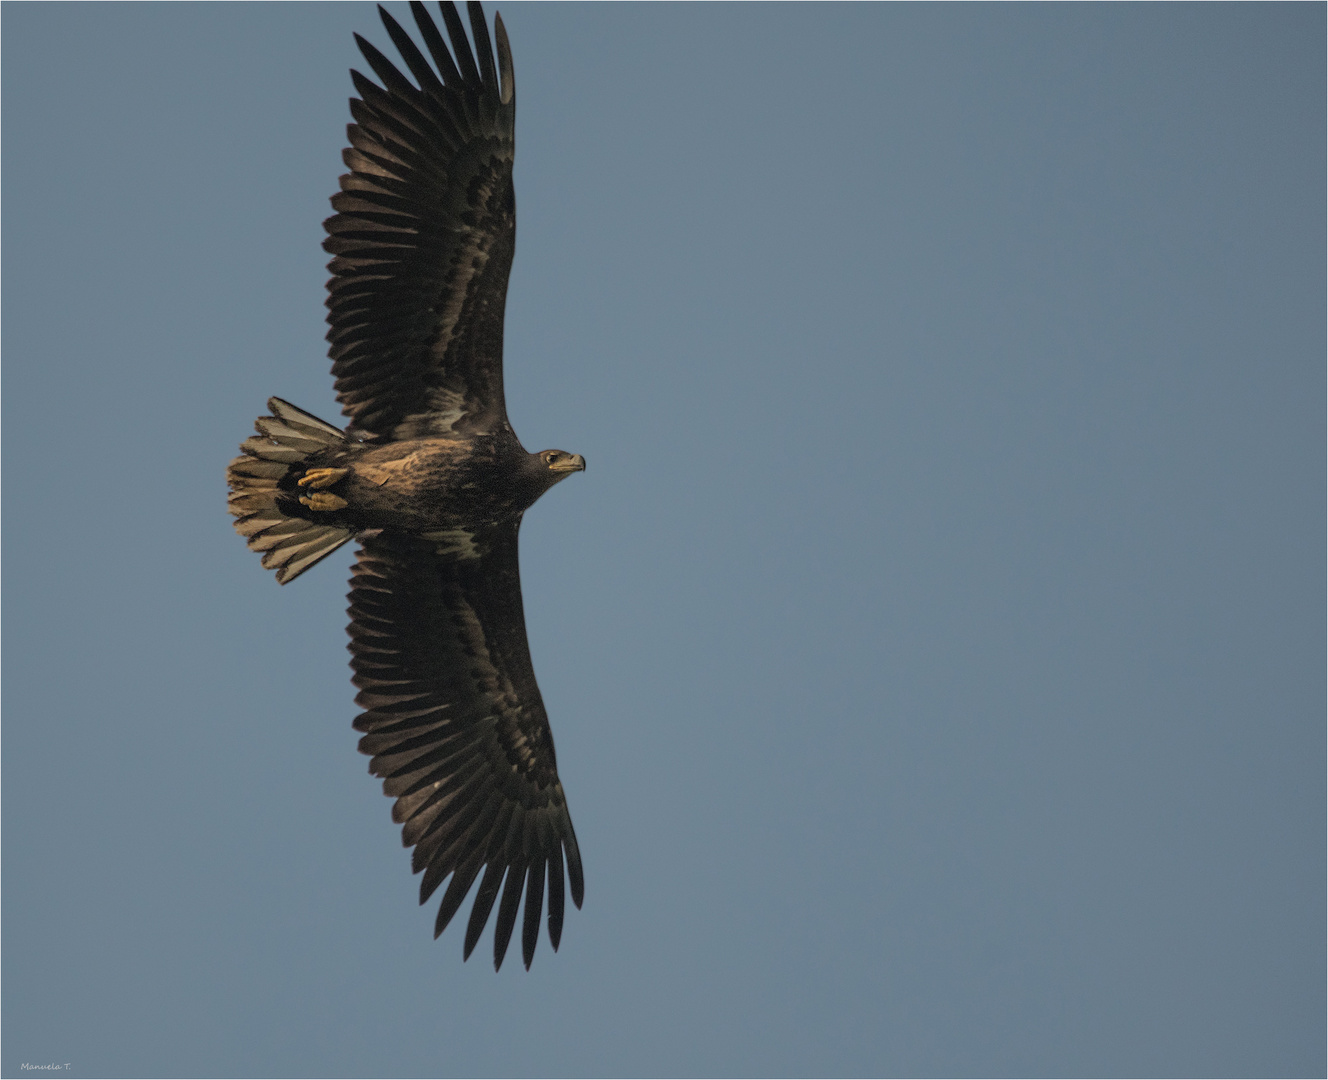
(323, 500)
(321, 478)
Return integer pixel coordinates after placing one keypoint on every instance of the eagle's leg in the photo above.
(323, 500)
(321, 478)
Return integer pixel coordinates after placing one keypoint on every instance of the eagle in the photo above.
(430, 479)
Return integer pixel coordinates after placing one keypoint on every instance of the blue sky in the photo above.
(934, 645)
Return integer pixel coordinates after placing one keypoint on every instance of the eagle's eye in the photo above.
(551, 458)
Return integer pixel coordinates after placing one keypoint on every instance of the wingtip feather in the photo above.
(506, 73)
(507, 912)
(479, 911)
(479, 29)
(574, 875)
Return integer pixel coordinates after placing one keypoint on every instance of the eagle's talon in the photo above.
(323, 500)
(321, 478)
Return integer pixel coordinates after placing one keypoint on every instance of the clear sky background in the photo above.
(934, 646)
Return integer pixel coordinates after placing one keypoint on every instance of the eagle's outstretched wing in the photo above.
(457, 728)
(423, 235)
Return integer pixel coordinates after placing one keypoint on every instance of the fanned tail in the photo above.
(262, 482)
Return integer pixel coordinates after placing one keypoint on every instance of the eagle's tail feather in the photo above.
(262, 482)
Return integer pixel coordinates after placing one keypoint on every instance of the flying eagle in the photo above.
(431, 480)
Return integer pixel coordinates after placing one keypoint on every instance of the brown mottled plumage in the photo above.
(430, 478)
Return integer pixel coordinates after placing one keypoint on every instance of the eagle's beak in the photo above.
(576, 463)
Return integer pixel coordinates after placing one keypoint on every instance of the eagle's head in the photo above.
(559, 464)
